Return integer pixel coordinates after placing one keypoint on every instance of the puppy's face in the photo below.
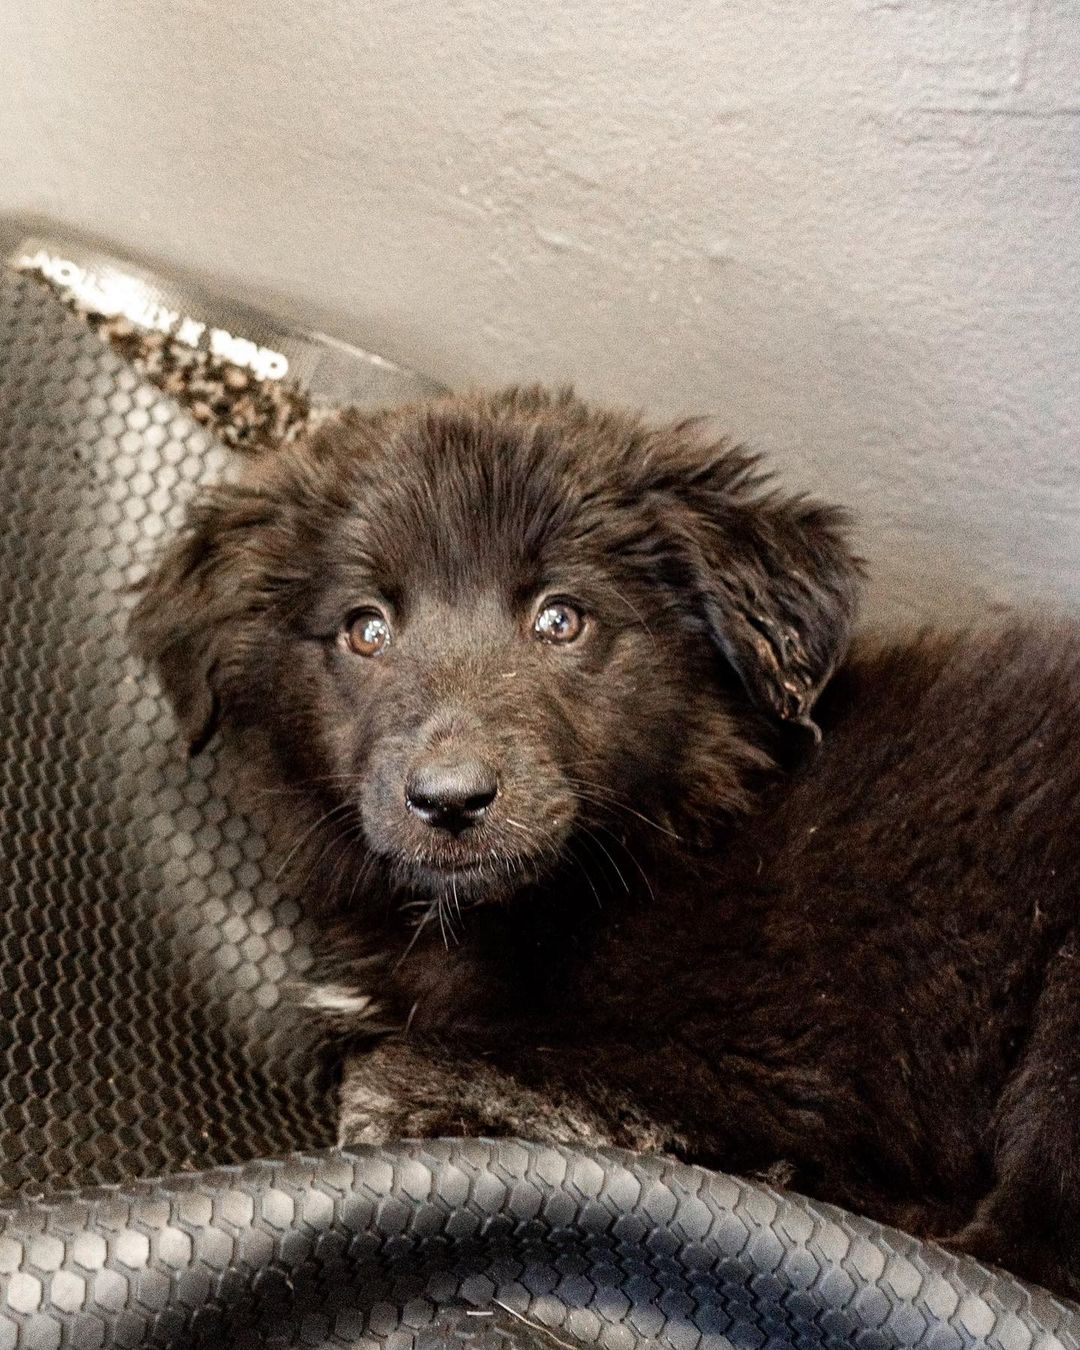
(475, 632)
(470, 684)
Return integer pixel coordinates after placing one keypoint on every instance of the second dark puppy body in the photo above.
(532, 683)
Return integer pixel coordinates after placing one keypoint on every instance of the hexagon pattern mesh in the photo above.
(491, 1245)
(144, 945)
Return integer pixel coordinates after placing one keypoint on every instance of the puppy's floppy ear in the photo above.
(181, 625)
(773, 578)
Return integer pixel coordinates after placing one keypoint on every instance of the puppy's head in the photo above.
(472, 631)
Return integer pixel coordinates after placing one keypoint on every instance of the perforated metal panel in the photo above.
(145, 947)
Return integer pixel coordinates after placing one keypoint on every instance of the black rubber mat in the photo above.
(146, 955)
(494, 1246)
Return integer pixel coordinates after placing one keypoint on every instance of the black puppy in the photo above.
(535, 682)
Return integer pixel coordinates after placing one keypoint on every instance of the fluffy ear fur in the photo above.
(240, 551)
(183, 623)
(773, 578)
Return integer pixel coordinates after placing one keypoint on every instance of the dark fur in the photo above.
(683, 925)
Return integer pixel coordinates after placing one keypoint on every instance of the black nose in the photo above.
(450, 794)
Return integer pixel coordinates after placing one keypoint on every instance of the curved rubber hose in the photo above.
(483, 1243)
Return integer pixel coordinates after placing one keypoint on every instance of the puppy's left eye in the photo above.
(559, 622)
(366, 632)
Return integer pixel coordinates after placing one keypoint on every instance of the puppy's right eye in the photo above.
(366, 632)
(559, 622)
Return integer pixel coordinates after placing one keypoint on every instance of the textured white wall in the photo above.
(848, 227)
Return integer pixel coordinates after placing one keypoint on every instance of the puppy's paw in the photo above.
(370, 1117)
(367, 1115)
(396, 1091)
(369, 1128)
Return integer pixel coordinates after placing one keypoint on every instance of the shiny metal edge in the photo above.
(330, 371)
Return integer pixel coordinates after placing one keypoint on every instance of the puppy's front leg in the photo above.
(417, 1089)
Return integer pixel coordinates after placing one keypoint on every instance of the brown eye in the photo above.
(559, 622)
(366, 632)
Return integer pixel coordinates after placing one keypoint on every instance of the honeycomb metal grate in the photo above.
(145, 948)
